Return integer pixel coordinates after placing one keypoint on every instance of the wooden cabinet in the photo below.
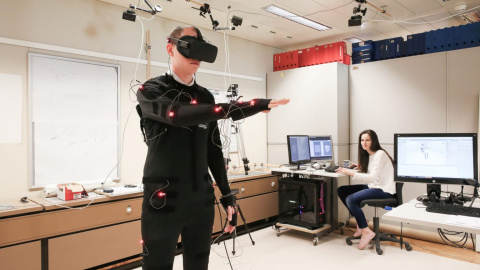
(51, 223)
(257, 198)
(107, 230)
(21, 257)
(94, 247)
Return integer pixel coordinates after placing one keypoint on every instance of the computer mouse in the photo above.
(108, 190)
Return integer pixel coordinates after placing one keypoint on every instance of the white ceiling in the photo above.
(333, 13)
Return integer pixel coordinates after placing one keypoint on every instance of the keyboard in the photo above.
(332, 168)
(453, 209)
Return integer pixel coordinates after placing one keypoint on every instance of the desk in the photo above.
(409, 213)
(331, 194)
(57, 237)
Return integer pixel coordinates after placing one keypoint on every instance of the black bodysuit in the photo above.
(183, 139)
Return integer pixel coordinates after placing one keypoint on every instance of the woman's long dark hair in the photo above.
(363, 156)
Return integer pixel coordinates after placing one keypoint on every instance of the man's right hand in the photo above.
(277, 102)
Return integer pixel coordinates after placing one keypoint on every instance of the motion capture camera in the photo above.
(355, 20)
(129, 15)
(236, 21)
(195, 47)
(233, 89)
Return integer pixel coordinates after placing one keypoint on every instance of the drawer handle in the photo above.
(243, 189)
(273, 184)
(129, 209)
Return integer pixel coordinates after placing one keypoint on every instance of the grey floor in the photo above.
(294, 250)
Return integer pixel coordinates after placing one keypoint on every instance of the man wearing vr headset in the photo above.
(179, 120)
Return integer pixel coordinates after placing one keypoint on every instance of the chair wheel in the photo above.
(349, 242)
(408, 247)
(379, 251)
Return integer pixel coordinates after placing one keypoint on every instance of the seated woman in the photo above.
(375, 169)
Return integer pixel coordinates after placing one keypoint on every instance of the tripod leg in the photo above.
(245, 223)
(233, 238)
(241, 147)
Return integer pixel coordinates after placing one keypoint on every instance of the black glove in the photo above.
(230, 200)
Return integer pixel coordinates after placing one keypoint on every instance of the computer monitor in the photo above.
(321, 148)
(298, 150)
(441, 158)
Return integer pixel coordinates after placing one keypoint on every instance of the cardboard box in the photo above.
(69, 192)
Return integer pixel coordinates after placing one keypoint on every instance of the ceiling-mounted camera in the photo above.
(359, 9)
(130, 15)
(355, 20)
(236, 21)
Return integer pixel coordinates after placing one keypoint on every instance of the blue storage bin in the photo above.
(395, 47)
(435, 41)
(470, 36)
(361, 44)
(380, 50)
(362, 53)
(362, 48)
(364, 57)
(458, 37)
(476, 31)
(354, 62)
(450, 38)
(415, 44)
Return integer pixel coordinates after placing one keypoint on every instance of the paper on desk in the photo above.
(55, 200)
(464, 220)
(118, 191)
(6, 206)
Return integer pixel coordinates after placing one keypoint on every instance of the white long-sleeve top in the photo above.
(379, 173)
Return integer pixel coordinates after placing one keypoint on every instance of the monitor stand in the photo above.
(433, 193)
(463, 198)
(295, 168)
(298, 167)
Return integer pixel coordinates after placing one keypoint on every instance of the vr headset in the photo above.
(195, 47)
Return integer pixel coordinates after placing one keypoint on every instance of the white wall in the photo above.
(318, 106)
(420, 94)
(96, 27)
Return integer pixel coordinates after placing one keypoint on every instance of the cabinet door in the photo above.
(52, 223)
(91, 248)
(22, 257)
(253, 187)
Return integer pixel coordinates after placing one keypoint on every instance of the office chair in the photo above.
(392, 202)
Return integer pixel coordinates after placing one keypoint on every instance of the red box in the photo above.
(293, 59)
(327, 53)
(69, 192)
(301, 57)
(276, 62)
(311, 56)
(338, 50)
(319, 55)
(346, 59)
(281, 59)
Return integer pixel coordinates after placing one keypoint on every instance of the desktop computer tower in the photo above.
(302, 202)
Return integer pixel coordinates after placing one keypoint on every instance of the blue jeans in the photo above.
(352, 195)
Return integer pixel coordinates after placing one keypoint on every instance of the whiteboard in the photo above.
(74, 120)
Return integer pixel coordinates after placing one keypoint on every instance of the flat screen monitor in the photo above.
(321, 148)
(298, 150)
(441, 158)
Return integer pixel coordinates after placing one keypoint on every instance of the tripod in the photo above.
(232, 96)
(234, 235)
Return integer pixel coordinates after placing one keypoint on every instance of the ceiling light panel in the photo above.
(296, 18)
